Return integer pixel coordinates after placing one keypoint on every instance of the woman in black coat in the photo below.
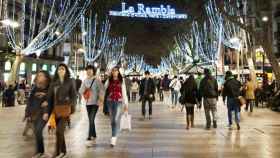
(62, 99)
(37, 111)
(190, 94)
(9, 97)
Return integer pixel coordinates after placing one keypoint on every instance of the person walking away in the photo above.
(198, 80)
(9, 96)
(79, 97)
(175, 86)
(208, 91)
(21, 92)
(62, 96)
(258, 97)
(166, 89)
(190, 94)
(156, 82)
(128, 87)
(134, 89)
(93, 91)
(250, 94)
(117, 100)
(231, 92)
(37, 110)
(160, 89)
(147, 93)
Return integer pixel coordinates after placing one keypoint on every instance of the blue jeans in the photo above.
(115, 109)
(91, 110)
(233, 105)
(174, 97)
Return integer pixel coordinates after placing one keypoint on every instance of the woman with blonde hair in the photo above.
(250, 88)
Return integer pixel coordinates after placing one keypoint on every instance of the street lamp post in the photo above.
(265, 19)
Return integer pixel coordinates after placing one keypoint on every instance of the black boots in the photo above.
(215, 124)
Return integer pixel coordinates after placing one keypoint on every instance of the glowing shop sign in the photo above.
(142, 11)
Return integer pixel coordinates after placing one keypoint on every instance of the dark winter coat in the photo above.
(189, 93)
(62, 93)
(34, 108)
(231, 88)
(151, 87)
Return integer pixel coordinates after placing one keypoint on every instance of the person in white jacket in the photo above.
(117, 100)
(175, 86)
(134, 89)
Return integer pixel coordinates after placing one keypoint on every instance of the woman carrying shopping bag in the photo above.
(117, 101)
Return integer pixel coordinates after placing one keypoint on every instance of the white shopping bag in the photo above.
(125, 122)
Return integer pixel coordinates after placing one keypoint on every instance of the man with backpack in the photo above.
(232, 91)
(208, 90)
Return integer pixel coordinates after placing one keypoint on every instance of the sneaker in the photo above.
(215, 124)
(113, 141)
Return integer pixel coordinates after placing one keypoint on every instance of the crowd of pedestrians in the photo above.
(53, 100)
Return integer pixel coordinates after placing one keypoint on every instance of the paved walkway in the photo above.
(163, 136)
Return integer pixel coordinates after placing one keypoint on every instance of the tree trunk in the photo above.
(15, 69)
(268, 49)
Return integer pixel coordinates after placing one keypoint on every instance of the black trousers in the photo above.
(144, 100)
(91, 111)
(160, 95)
(39, 125)
(60, 138)
(134, 94)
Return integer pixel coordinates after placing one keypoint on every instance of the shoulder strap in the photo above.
(92, 83)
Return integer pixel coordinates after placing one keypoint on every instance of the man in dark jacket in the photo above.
(208, 90)
(231, 91)
(147, 93)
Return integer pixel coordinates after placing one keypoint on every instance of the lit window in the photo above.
(8, 66)
(53, 68)
(45, 67)
(22, 68)
(34, 67)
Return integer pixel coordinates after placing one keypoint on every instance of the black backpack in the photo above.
(210, 88)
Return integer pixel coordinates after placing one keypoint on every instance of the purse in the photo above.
(242, 101)
(87, 92)
(63, 111)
